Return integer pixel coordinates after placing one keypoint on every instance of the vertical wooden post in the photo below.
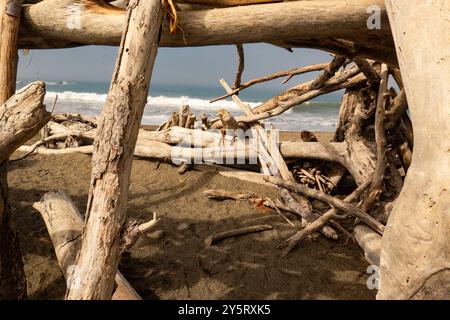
(102, 242)
(12, 276)
(415, 252)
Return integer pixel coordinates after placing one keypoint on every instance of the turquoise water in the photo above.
(89, 97)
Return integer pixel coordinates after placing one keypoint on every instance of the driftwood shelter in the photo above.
(395, 144)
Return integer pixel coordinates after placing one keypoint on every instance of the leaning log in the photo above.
(12, 276)
(301, 23)
(117, 133)
(415, 253)
(65, 224)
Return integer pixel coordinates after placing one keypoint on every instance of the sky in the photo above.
(200, 66)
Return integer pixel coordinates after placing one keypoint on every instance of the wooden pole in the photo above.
(12, 276)
(415, 251)
(117, 132)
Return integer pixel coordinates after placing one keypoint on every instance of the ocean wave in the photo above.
(194, 103)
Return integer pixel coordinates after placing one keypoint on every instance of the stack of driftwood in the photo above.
(371, 149)
(373, 145)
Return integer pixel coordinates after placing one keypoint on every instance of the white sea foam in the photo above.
(194, 103)
(160, 107)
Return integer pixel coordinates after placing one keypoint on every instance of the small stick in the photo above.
(286, 73)
(221, 195)
(215, 238)
(330, 200)
(54, 137)
(54, 104)
(368, 70)
(273, 205)
(290, 244)
(329, 71)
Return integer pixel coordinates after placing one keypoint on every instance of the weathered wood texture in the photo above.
(12, 277)
(296, 23)
(117, 132)
(415, 254)
(65, 224)
(21, 118)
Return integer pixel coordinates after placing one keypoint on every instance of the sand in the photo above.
(175, 264)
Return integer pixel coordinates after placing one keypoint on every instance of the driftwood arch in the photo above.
(413, 36)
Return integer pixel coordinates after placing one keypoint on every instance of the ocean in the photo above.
(87, 98)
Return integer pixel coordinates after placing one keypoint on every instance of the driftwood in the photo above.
(370, 242)
(281, 74)
(64, 224)
(290, 244)
(252, 198)
(332, 201)
(268, 148)
(241, 66)
(415, 251)
(292, 24)
(376, 186)
(117, 133)
(21, 117)
(215, 238)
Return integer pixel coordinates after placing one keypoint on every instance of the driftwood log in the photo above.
(290, 24)
(117, 133)
(21, 117)
(65, 224)
(415, 252)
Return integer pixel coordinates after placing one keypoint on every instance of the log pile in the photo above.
(368, 153)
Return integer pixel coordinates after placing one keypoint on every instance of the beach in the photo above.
(175, 263)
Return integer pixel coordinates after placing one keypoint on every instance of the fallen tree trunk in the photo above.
(415, 253)
(273, 22)
(117, 131)
(65, 224)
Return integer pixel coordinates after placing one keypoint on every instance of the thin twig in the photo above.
(286, 73)
(215, 238)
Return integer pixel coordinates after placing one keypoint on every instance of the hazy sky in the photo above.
(196, 66)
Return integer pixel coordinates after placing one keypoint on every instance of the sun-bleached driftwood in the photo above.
(298, 24)
(304, 92)
(308, 215)
(65, 224)
(370, 242)
(241, 66)
(21, 117)
(291, 243)
(269, 155)
(281, 74)
(415, 251)
(117, 133)
(215, 238)
(376, 186)
(332, 201)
